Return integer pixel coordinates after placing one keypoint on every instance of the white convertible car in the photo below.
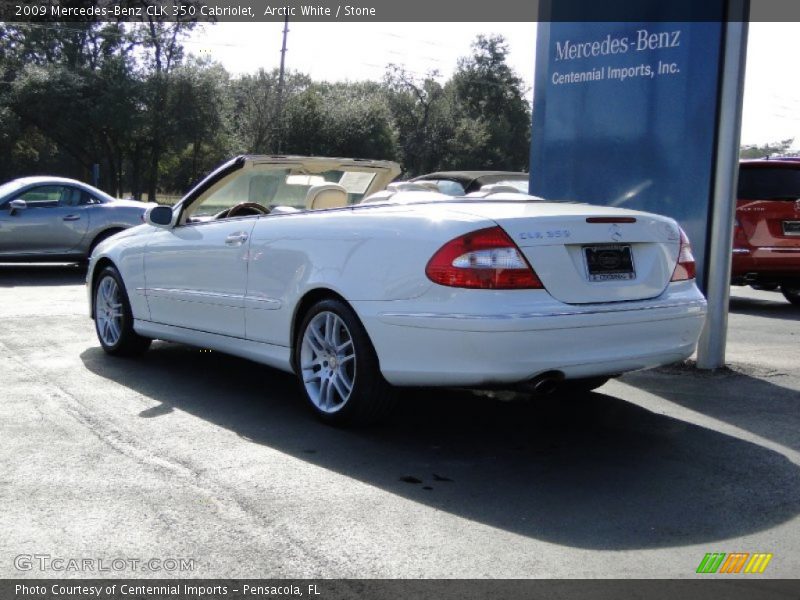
(278, 260)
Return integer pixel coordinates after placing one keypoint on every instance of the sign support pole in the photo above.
(711, 348)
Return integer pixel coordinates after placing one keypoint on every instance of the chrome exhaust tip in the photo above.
(545, 384)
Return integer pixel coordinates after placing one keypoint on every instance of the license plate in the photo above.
(791, 228)
(609, 262)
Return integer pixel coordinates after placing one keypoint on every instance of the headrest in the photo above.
(326, 195)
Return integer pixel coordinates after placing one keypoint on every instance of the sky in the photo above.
(357, 51)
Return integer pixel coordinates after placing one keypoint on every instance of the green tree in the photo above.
(339, 119)
(124, 95)
(64, 94)
(198, 110)
(255, 101)
(86, 113)
(772, 148)
(161, 44)
(490, 108)
(423, 117)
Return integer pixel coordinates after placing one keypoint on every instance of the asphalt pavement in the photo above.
(214, 461)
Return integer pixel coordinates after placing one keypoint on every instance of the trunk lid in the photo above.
(770, 223)
(561, 239)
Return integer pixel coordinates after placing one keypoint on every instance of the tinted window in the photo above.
(72, 197)
(44, 195)
(769, 184)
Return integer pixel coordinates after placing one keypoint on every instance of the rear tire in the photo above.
(338, 368)
(792, 294)
(113, 318)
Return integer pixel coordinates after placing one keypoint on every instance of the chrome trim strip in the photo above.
(194, 293)
(184, 295)
(698, 304)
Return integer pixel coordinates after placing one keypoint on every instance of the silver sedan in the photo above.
(55, 219)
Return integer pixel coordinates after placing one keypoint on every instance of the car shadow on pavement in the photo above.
(594, 472)
(50, 274)
(743, 396)
(779, 308)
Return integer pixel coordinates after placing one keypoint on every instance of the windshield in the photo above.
(285, 186)
(769, 184)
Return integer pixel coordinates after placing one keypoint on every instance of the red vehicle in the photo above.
(766, 237)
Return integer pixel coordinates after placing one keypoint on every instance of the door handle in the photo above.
(236, 239)
(72, 218)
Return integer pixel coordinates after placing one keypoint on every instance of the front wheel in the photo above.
(338, 367)
(113, 318)
(792, 294)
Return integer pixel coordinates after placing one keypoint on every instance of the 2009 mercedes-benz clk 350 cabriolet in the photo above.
(278, 260)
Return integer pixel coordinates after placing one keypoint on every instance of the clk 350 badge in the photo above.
(545, 235)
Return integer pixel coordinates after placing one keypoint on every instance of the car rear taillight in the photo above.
(484, 259)
(686, 267)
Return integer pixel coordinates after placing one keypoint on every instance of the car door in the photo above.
(196, 275)
(196, 272)
(53, 222)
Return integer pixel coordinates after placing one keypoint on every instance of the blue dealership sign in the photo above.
(625, 114)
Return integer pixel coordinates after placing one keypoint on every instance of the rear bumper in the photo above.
(506, 345)
(765, 264)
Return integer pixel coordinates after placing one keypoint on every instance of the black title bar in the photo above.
(392, 10)
(730, 587)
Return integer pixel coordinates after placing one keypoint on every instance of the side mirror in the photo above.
(16, 205)
(159, 216)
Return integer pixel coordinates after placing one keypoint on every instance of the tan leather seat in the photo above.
(326, 195)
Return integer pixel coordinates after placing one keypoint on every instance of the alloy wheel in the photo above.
(108, 311)
(328, 362)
